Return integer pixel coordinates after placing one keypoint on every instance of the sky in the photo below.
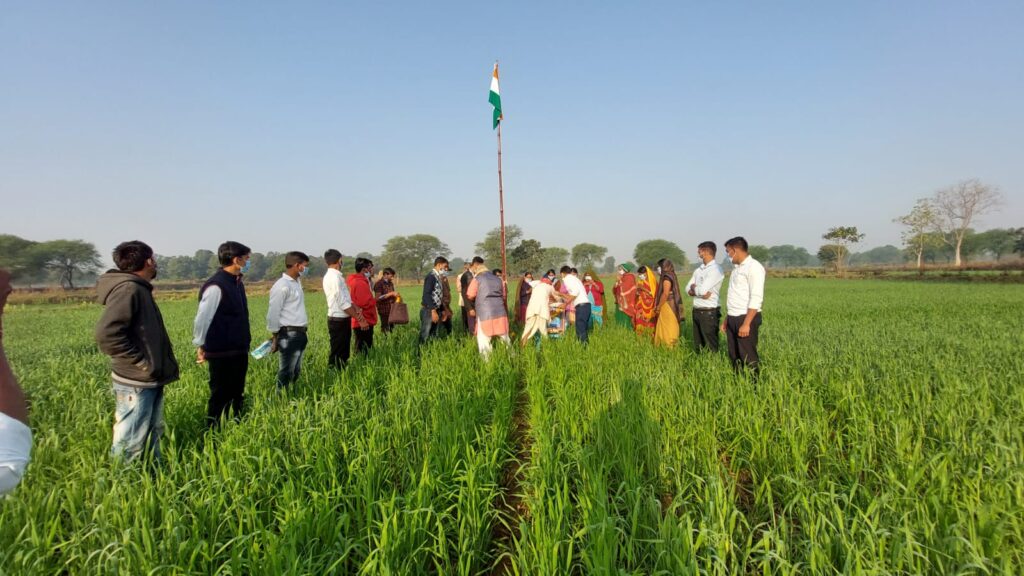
(310, 125)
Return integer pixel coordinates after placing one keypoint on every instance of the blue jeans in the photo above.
(583, 322)
(138, 421)
(427, 327)
(291, 345)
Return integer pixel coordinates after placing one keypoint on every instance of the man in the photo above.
(362, 298)
(580, 303)
(15, 435)
(340, 311)
(131, 331)
(386, 295)
(743, 305)
(221, 332)
(432, 302)
(446, 302)
(287, 321)
(538, 310)
(467, 278)
(487, 292)
(704, 286)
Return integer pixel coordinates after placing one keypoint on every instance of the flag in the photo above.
(495, 97)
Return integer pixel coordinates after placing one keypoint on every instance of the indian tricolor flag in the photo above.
(495, 97)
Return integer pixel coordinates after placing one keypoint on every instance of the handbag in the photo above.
(399, 312)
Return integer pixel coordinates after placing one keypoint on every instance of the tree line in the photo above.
(938, 229)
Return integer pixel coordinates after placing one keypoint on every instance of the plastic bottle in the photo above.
(261, 350)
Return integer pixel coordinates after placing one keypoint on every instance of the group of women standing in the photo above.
(649, 301)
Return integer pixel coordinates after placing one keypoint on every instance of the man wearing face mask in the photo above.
(131, 331)
(743, 305)
(432, 307)
(287, 320)
(221, 332)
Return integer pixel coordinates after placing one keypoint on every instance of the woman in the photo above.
(595, 293)
(523, 298)
(643, 321)
(384, 291)
(625, 295)
(667, 304)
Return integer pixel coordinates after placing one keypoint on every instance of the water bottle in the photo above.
(261, 350)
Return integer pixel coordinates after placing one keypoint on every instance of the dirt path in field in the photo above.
(511, 505)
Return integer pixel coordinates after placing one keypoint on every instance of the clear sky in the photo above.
(308, 125)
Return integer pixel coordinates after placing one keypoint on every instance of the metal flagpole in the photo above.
(501, 207)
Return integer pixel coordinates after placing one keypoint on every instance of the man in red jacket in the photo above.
(362, 298)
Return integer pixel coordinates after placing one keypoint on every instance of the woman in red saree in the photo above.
(646, 287)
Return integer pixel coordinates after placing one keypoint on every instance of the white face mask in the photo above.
(587, 278)
(659, 269)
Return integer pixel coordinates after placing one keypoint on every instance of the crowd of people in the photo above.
(132, 333)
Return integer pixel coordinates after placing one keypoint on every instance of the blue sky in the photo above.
(313, 125)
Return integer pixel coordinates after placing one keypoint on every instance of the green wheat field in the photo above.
(885, 436)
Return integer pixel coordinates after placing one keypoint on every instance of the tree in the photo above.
(843, 237)
(490, 247)
(921, 220)
(760, 253)
(526, 257)
(553, 257)
(959, 206)
(609, 266)
(201, 261)
(887, 254)
(829, 253)
(648, 252)
(585, 255)
(17, 256)
(997, 241)
(1019, 246)
(413, 255)
(788, 255)
(66, 257)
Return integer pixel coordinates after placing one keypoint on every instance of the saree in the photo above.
(643, 320)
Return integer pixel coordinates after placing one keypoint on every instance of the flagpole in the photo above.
(501, 207)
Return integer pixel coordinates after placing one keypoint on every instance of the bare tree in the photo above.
(959, 205)
(920, 223)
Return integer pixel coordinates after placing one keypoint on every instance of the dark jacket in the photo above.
(131, 331)
(229, 333)
(428, 292)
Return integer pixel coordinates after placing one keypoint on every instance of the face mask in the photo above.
(304, 271)
(659, 269)
(587, 278)
(643, 276)
(245, 268)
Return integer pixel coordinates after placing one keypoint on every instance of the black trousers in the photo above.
(227, 387)
(340, 331)
(705, 328)
(743, 351)
(465, 318)
(364, 339)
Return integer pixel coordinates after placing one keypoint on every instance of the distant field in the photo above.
(885, 436)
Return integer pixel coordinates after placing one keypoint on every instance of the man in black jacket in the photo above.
(131, 331)
(221, 332)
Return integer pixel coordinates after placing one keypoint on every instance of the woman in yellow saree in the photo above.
(646, 286)
(667, 303)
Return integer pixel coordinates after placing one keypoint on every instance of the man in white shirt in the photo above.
(704, 286)
(580, 302)
(743, 306)
(538, 309)
(287, 320)
(340, 310)
(15, 435)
